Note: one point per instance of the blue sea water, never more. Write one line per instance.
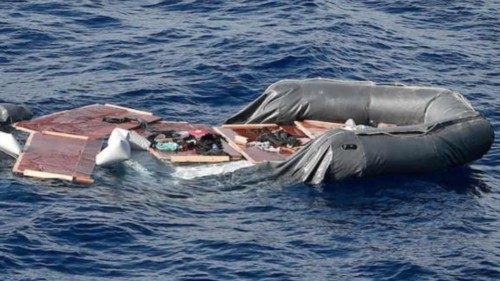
(201, 61)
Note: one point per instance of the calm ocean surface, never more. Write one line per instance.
(201, 61)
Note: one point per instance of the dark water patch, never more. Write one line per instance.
(198, 6)
(99, 22)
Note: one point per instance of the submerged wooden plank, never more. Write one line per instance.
(60, 157)
(314, 128)
(86, 121)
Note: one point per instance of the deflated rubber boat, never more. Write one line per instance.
(307, 130)
(431, 128)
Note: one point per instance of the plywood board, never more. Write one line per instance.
(189, 156)
(58, 157)
(86, 121)
(314, 128)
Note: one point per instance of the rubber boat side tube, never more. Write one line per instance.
(436, 128)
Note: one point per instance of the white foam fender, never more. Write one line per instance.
(118, 134)
(118, 149)
(9, 144)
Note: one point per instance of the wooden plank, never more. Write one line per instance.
(233, 154)
(15, 169)
(199, 158)
(83, 180)
(229, 134)
(86, 121)
(46, 175)
(59, 157)
(297, 132)
(189, 156)
(304, 129)
(293, 130)
(22, 129)
(240, 140)
(288, 150)
(129, 109)
(252, 154)
(65, 135)
(251, 133)
(315, 128)
(160, 155)
(324, 124)
(166, 156)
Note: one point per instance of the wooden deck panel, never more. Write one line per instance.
(252, 154)
(86, 121)
(314, 128)
(61, 157)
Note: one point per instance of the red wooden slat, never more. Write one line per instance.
(59, 155)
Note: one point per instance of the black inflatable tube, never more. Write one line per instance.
(436, 128)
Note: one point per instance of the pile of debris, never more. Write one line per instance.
(67, 145)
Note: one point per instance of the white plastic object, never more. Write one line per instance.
(118, 149)
(9, 144)
(118, 133)
(138, 142)
(350, 122)
(350, 125)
